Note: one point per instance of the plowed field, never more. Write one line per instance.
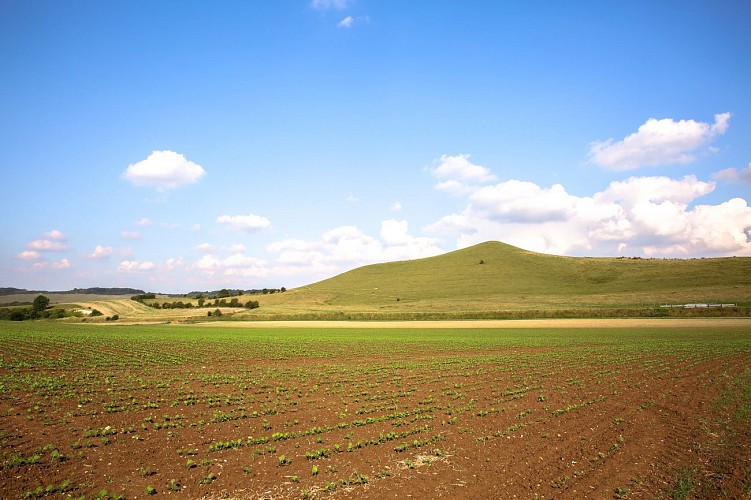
(612, 411)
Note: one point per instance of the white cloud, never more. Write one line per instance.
(648, 216)
(55, 235)
(233, 266)
(61, 264)
(46, 246)
(236, 248)
(637, 189)
(734, 174)
(144, 222)
(28, 255)
(135, 266)
(173, 264)
(130, 235)
(458, 175)
(658, 142)
(249, 223)
(347, 22)
(347, 247)
(329, 4)
(56, 265)
(396, 206)
(518, 201)
(205, 247)
(163, 170)
(351, 198)
(100, 252)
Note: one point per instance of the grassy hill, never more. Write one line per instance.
(489, 280)
(493, 276)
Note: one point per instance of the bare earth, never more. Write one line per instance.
(231, 420)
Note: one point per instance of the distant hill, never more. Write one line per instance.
(495, 276)
(91, 291)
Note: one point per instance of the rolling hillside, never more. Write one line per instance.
(489, 280)
(493, 276)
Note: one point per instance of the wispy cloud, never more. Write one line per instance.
(330, 4)
(56, 265)
(347, 22)
(46, 246)
(164, 171)
(28, 255)
(248, 223)
(658, 142)
(734, 174)
(130, 235)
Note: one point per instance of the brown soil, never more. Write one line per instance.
(574, 422)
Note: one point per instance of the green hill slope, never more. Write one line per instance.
(494, 276)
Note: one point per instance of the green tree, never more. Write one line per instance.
(41, 303)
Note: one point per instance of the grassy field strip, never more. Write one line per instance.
(512, 324)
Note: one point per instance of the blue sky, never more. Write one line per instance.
(176, 146)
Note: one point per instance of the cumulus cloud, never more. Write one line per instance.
(164, 171)
(396, 206)
(646, 216)
(347, 22)
(61, 264)
(56, 265)
(144, 222)
(458, 175)
(135, 266)
(28, 255)
(517, 201)
(55, 235)
(734, 174)
(100, 252)
(232, 266)
(173, 264)
(346, 247)
(658, 142)
(248, 223)
(46, 246)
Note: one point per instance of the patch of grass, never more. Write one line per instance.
(685, 484)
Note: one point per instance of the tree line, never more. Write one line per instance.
(202, 302)
(39, 309)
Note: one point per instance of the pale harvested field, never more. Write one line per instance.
(516, 323)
